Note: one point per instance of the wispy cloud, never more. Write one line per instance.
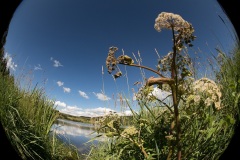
(65, 89)
(83, 94)
(89, 112)
(59, 83)
(101, 96)
(38, 67)
(10, 63)
(56, 63)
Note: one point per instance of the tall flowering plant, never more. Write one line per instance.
(174, 63)
(175, 76)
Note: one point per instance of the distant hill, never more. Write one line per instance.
(82, 119)
(126, 120)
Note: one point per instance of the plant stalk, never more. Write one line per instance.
(174, 96)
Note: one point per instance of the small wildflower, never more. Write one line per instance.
(197, 99)
(208, 102)
(130, 131)
(142, 124)
(190, 99)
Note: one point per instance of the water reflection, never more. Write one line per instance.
(76, 133)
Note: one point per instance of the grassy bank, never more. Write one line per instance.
(27, 117)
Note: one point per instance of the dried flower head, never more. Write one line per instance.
(175, 22)
(111, 61)
(170, 21)
(117, 75)
(124, 59)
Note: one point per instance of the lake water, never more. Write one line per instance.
(76, 133)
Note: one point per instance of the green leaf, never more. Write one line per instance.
(149, 130)
(230, 119)
(210, 132)
(186, 116)
(232, 85)
(157, 149)
(233, 94)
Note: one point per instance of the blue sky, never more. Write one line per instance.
(62, 45)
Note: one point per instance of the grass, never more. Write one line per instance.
(27, 117)
(205, 135)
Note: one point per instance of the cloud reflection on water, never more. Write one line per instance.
(76, 133)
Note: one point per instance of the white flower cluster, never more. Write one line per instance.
(169, 21)
(144, 93)
(108, 119)
(130, 131)
(206, 90)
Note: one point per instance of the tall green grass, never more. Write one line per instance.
(27, 116)
(229, 77)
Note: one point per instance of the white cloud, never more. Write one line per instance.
(89, 112)
(38, 67)
(160, 94)
(59, 83)
(101, 96)
(65, 89)
(10, 63)
(77, 111)
(128, 112)
(99, 110)
(83, 94)
(56, 63)
(125, 113)
(60, 104)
